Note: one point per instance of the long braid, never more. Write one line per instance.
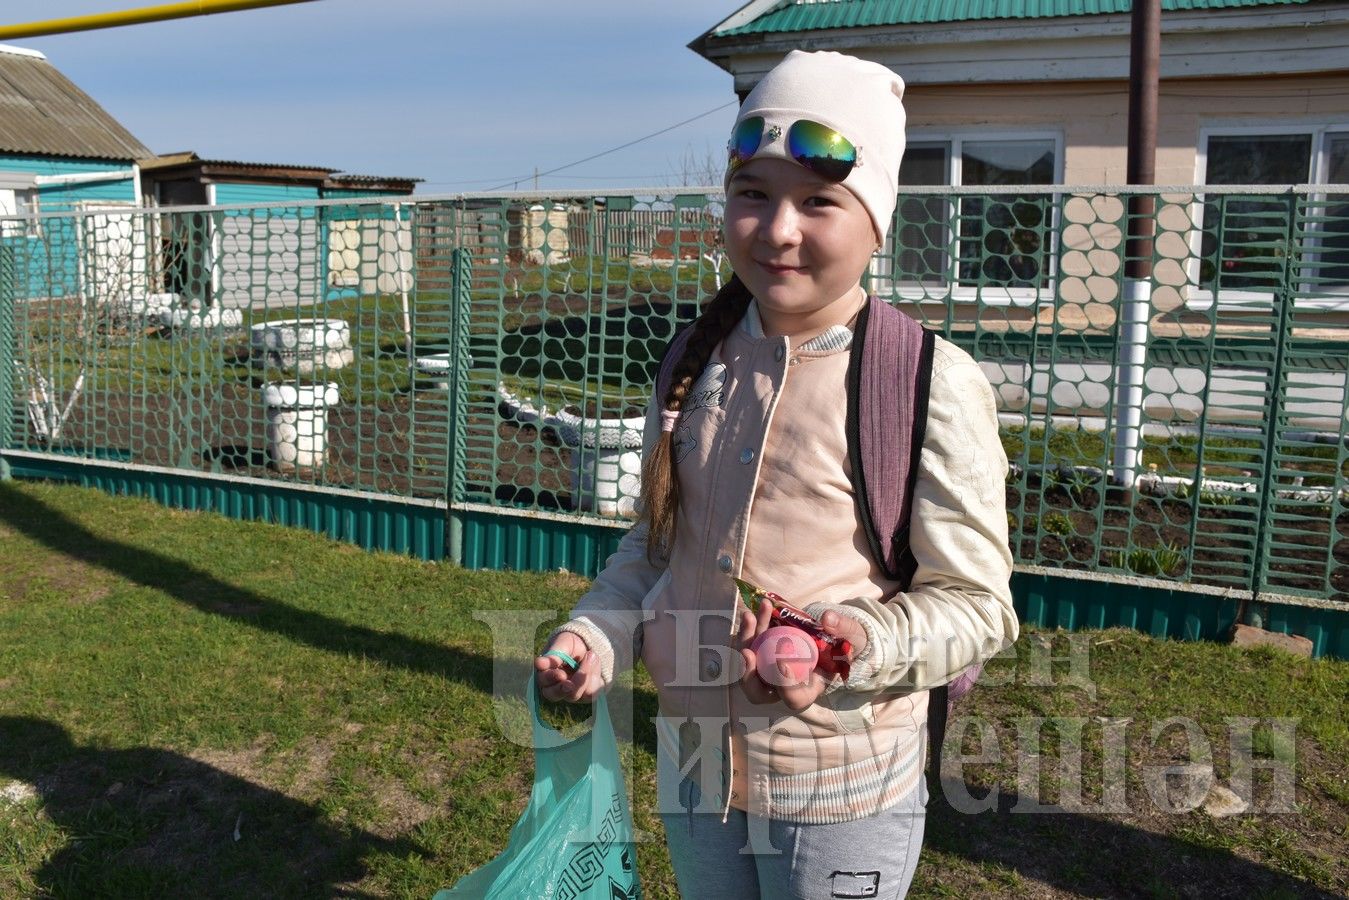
(660, 479)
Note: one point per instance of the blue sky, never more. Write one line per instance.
(466, 95)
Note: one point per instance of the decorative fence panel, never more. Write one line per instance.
(496, 353)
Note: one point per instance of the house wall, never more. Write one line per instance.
(48, 261)
(264, 193)
(1091, 121)
(369, 247)
(1092, 117)
(57, 197)
(268, 256)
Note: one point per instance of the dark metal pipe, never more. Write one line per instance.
(1145, 46)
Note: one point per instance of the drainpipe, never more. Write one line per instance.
(136, 16)
(86, 178)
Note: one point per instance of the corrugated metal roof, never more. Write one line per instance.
(42, 112)
(813, 15)
(189, 158)
(348, 178)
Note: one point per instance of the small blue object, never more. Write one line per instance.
(565, 657)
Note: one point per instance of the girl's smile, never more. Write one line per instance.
(799, 243)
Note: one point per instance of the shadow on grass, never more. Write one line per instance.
(148, 822)
(1094, 856)
(200, 589)
(632, 711)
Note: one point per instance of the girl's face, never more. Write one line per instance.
(799, 243)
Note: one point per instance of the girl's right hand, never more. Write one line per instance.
(559, 681)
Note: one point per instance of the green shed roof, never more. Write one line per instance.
(813, 15)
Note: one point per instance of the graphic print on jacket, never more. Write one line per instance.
(705, 394)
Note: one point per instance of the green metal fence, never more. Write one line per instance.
(492, 355)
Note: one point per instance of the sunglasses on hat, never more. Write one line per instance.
(818, 147)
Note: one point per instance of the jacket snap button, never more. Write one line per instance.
(712, 668)
(779, 353)
(724, 563)
(747, 456)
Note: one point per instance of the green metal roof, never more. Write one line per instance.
(813, 15)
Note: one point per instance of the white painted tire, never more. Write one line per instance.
(289, 395)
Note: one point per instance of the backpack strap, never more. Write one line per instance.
(889, 374)
(889, 377)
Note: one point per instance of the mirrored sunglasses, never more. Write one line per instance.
(818, 147)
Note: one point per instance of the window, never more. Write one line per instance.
(1254, 245)
(1002, 240)
(19, 202)
(1331, 267)
(918, 241)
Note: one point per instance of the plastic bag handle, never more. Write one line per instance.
(545, 735)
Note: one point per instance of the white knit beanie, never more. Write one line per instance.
(861, 100)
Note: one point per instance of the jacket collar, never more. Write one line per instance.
(836, 337)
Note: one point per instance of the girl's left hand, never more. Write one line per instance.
(795, 695)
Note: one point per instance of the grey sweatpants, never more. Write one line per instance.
(750, 857)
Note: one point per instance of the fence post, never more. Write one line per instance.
(456, 467)
(1284, 298)
(8, 357)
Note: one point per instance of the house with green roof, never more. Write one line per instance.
(1026, 92)
(1234, 74)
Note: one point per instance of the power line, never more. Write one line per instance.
(506, 184)
(631, 177)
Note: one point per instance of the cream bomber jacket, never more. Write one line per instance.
(766, 494)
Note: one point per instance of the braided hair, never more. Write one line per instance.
(660, 479)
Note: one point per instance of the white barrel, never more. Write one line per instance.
(607, 473)
(297, 423)
(610, 480)
(305, 345)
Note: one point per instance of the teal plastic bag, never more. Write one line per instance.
(574, 840)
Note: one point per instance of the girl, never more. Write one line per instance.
(786, 787)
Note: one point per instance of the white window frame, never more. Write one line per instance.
(1201, 299)
(990, 296)
(19, 201)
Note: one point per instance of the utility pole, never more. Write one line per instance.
(1145, 44)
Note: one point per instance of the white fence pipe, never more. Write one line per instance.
(1133, 352)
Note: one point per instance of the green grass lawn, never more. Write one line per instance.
(192, 706)
(137, 359)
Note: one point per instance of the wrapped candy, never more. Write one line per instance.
(834, 652)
